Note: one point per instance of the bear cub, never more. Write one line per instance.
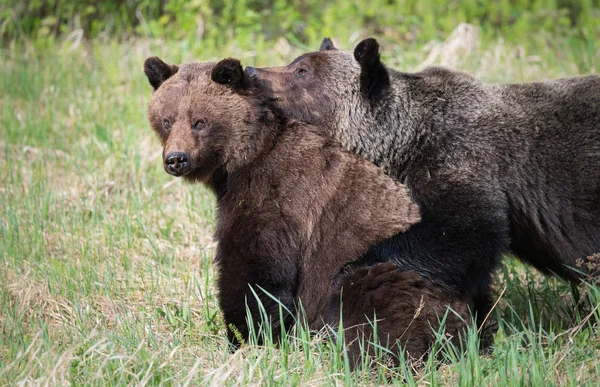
(292, 209)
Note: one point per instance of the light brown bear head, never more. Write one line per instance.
(204, 119)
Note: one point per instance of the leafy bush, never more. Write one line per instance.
(299, 21)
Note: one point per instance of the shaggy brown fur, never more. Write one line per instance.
(495, 169)
(293, 207)
(403, 306)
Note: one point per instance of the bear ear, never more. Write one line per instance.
(158, 71)
(374, 77)
(327, 45)
(228, 72)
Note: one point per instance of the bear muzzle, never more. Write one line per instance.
(177, 163)
(251, 72)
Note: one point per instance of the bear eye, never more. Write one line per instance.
(166, 123)
(198, 125)
(302, 71)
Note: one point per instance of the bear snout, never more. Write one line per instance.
(177, 163)
(251, 72)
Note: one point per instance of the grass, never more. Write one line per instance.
(106, 271)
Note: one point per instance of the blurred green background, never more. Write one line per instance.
(568, 28)
(408, 21)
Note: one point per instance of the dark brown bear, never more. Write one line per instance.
(292, 209)
(495, 169)
(404, 306)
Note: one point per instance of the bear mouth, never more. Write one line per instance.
(177, 173)
(184, 173)
(251, 72)
(260, 86)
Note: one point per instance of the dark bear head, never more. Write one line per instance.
(206, 117)
(328, 87)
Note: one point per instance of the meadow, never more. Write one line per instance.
(106, 262)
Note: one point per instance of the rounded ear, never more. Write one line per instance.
(366, 53)
(158, 71)
(228, 72)
(327, 45)
(374, 77)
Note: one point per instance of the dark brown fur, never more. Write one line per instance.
(405, 308)
(293, 207)
(495, 169)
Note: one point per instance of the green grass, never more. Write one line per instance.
(106, 273)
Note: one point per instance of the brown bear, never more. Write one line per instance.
(292, 209)
(495, 169)
(405, 308)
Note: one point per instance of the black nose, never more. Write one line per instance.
(176, 163)
(251, 71)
